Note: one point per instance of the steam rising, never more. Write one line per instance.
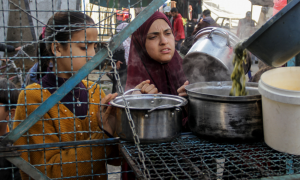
(199, 67)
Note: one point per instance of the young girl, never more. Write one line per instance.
(77, 116)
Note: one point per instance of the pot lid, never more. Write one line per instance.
(149, 101)
(219, 91)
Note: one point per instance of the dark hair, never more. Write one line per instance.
(42, 54)
(206, 12)
(174, 10)
(63, 21)
(14, 94)
(248, 14)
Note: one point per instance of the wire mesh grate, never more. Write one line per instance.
(188, 157)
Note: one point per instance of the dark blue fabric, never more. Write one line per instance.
(209, 20)
(177, 47)
(8, 47)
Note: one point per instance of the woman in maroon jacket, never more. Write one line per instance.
(153, 57)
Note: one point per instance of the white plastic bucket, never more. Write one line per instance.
(280, 90)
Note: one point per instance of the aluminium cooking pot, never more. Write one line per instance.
(214, 114)
(156, 117)
(210, 57)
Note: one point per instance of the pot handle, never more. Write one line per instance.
(224, 32)
(162, 106)
(131, 90)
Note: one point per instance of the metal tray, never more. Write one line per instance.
(189, 157)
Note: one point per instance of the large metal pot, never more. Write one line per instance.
(157, 117)
(210, 58)
(215, 114)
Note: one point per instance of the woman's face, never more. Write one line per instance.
(160, 42)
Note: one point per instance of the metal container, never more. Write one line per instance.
(215, 114)
(210, 58)
(157, 117)
(278, 40)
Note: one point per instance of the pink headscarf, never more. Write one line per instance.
(166, 77)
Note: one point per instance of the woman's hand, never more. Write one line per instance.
(146, 88)
(118, 64)
(18, 48)
(181, 91)
(108, 121)
(5, 60)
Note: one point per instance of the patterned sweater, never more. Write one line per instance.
(58, 130)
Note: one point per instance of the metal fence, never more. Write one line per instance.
(47, 139)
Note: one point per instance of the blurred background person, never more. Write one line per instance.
(178, 28)
(121, 55)
(167, 12)
(192, 15)
(192, 21)
(246, 27)
(206, 21)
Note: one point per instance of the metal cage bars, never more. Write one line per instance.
(36, 115)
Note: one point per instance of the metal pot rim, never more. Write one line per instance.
(182, 100)
(207, 30)
(228, 98)
(206, 54)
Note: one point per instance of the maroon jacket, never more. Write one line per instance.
(178, 28)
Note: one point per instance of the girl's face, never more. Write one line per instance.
(160, 42)
(83, 48)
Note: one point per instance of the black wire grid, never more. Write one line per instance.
(188, 157)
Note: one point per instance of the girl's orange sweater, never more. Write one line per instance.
(58, 125)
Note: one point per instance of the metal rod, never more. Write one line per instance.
(286, 177)
(138, 173)
(62, 144)
(27, 168)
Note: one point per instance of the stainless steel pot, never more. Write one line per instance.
(210, 58)
(157, 117)
(215, 114)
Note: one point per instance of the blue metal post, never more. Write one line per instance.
(27, 168)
